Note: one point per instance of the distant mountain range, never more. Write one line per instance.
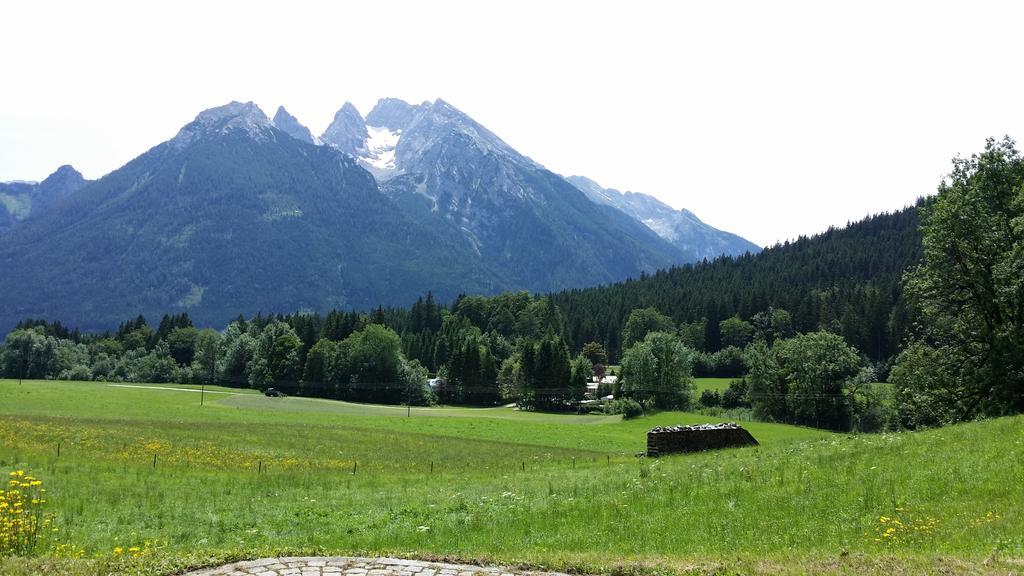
(695, 239)
(241, 213)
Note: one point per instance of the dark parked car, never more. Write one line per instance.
(274, 393)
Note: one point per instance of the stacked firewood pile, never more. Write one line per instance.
(668, 439)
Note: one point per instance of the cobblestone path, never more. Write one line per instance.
(344, 566)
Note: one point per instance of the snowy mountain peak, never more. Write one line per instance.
(231, 117)
(347, 131)
(440, 124)
(395, 136)
(393, 113)
(291, 126)
(442, 109)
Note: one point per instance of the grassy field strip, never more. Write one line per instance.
(717, 384)
(298, 404)
(823, 496)
(89, 400)
(231, 447)
(243, 479)
(168, 388)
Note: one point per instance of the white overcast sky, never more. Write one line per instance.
(769, 119)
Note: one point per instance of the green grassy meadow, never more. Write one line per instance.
(717, 384)
(246, 476)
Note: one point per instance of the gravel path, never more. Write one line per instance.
(345, 566)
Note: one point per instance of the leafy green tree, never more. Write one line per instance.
(510, 378)
(735, 332)
(595, 352)
(804, 380)
(735, 396)
(674, 384)
(317, 361)
(726, 363)
(70, 360)
(207, 354)
(157, 365)
(643, 321)
(772, 324)
(659, 370)
(182, 344)
(275, 359)
(127, 367)
(870, 402)
(27, 354)
(581, 372)
(108, 346)
(969, 289)
(693, 334)
(239, 347)
(639, 372)
(927, 389)
(767, 388)
(476, 309)
(817, 368)
(413, 379)
(138, 338)
(375, 358)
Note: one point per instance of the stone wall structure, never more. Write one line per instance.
(671, 439)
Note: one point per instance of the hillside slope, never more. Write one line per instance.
(846, 279)
(682, 228)
(230, 216)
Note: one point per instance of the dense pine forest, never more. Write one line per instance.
(846, 280)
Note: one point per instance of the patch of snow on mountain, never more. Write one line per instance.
(662, 227)
(380, 147)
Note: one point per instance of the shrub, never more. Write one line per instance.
(710, 398)
(79, 372)
(631, 409)
(628, 407)
(735, 396)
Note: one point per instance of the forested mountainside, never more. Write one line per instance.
(847, 280)
(239, 213)
(232, 215)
